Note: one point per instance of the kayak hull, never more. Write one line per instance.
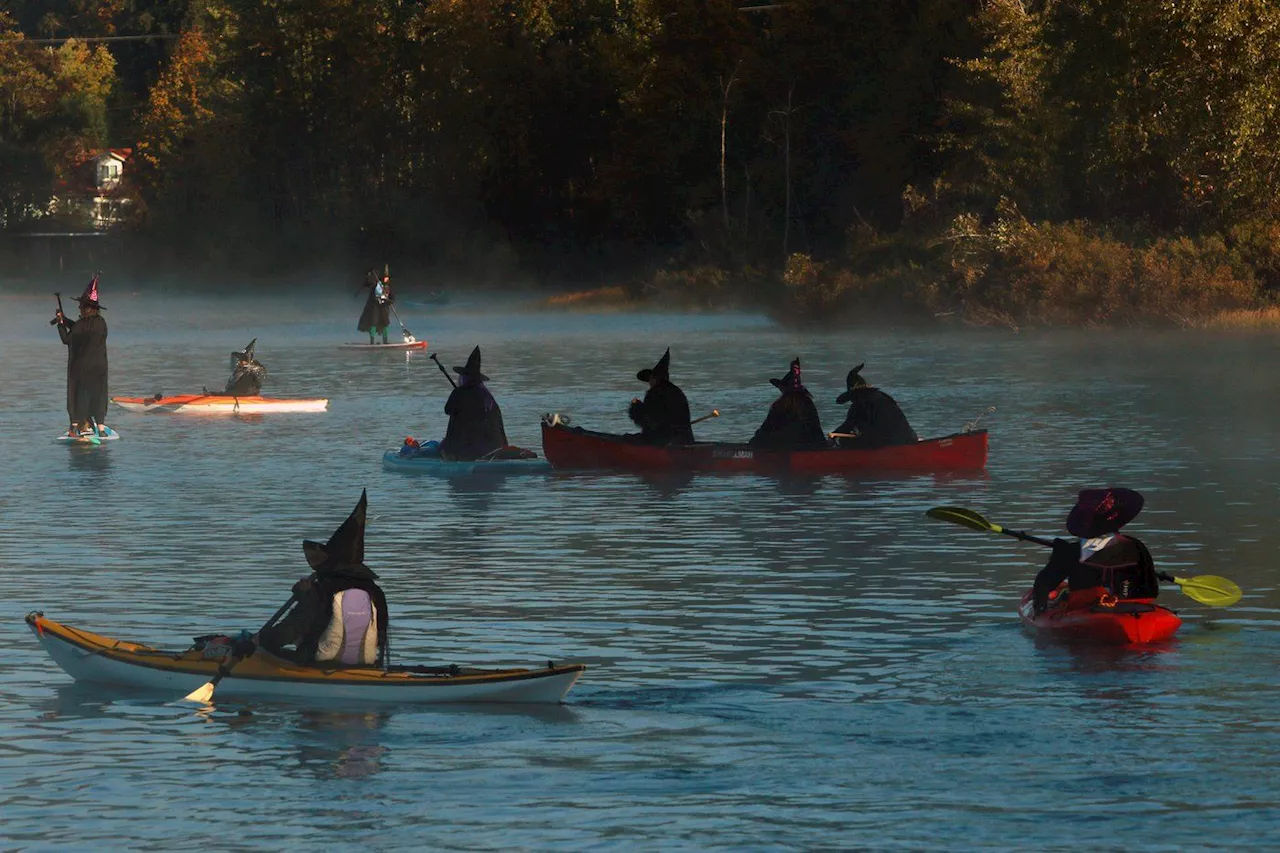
(571, 447)
(95, 659)
(218, 404)
(1083, 617)
(434, 465)
(402, 345)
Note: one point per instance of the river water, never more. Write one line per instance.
(772, 664)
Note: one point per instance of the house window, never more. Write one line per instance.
(108, 173)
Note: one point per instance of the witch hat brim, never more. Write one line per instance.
(852, 382)
(1101, 511)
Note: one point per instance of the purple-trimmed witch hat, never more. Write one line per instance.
(1101, 511)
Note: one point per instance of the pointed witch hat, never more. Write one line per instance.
(245, 354)
(343, 554)
(89, 299)
(852, 381)
(472, 368)
(1101, 511)
(661, 369)
(790, 382)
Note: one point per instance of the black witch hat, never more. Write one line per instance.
(661, 369)
(790, 382)
(343, 554)
(852, 381)
(472, 368)
(244, 355)
(89, 299)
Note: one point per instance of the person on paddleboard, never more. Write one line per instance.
(475, 422)
(376, 315)
(792, 422)
(247, 374)
(874, 417)
(340, 614)
(1100, 562)
(86, 342)
(663, 415)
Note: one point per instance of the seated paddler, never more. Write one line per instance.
(663, 414)
(874, 418)
(792, 422)
(1099, 561)
(339, 616)
(475, 422)
(247, 373)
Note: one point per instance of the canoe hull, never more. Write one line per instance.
(1127, 623)
(435, 466)
(216, 404)
(567, 447)
(95, 659)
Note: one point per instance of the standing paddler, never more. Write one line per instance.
(663, 415)
(377, 307)
(86, 341)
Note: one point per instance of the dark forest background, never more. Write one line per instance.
(1095, 161)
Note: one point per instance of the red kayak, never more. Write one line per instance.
(1095, 616)
(571, 447)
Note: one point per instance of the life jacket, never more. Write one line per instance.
(1122, 568)
(352, 635)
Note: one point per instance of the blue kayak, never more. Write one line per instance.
(432, 463)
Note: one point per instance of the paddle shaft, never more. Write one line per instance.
(436, 359)
(230, 664)
(57, 319)
(715, 413)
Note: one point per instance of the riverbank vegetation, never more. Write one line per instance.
(1008, 161)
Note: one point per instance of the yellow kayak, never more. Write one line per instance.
(97, 659)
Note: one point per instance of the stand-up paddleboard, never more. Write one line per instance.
(401, 345)
(105, 433)
(218, 404)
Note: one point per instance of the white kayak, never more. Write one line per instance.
(104, 433)
(97, 659)
(218, 404)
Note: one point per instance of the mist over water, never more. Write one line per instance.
(772, 663)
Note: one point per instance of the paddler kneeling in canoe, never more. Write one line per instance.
(340, 614)
(663, 415)
(792, 422)
(247, 374)
(475, 422)
(1100, 562)
(874, 418)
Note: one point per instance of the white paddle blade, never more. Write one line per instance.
(202, 694)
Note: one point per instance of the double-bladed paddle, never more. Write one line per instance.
(1212, 590)
(204, 693)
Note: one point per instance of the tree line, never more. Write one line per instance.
(1015, 160)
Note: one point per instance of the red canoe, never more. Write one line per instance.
(1089, 615)
(572, 447)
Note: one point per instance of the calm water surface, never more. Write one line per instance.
(773, 664)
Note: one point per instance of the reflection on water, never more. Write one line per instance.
(773, 662)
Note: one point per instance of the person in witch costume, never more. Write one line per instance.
(1100, 560)
(874, 417)
(475, 421)
(663, 415)
(340, 614)
(86, 342)
(377, 307)
(247, 374)
(792, 422)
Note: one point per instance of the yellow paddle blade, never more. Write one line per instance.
(1210, 589)
(201, 694)
(964, 517)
